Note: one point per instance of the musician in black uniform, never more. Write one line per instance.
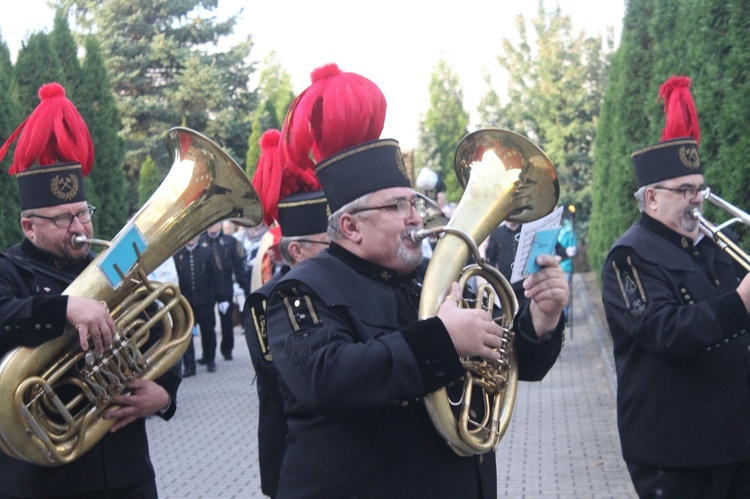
(678, 314)
(229, 255)
(34, 273)
(353, 359)
(202, 284)
(303, 218)
(501, 253)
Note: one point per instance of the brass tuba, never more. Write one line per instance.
(204, 186)
(505, 176)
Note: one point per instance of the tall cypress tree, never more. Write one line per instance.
(37, 64)
(624, 126)
(107, 180)
(66, 49)
(10, 231)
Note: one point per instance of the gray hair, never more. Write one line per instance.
(334, 221)
(640, 196)
(284, 243)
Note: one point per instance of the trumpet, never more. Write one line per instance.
(714, 231)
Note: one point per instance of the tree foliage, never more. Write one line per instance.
(444, 125)
(150, 179)
(166, 69)
(555, 87)
(37, 63)
(98, 108)
(275, 94)
(705, 40)
(10, 232)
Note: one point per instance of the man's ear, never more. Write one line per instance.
(349, 226)
(295, 251)
(651, 199)
(27, 226)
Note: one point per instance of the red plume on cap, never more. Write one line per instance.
(337, 111)
(679, 108)
(53, 133)
(276, 178)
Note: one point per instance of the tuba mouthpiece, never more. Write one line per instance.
(79, 240)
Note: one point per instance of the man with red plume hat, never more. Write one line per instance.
(53, 154)
(677, 309)
(296, 203)
(352, 358)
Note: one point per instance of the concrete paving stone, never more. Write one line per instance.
(561, 443)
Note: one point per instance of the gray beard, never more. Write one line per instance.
(408, 257)
(687, 222)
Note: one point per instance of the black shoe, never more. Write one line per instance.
(202, 361)
(227, 356)
(186, 373)
(211, 366)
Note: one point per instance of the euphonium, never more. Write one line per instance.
(204, 185)
(505, 176)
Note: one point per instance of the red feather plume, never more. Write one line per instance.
(679, 108)
(267, 178)
(276, 178)
(337, 111)
(55, 132)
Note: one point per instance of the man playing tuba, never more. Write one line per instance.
(34, 273)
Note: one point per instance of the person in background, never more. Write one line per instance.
(229, 260)
(352, 358)
(302, 215)
(677, 310)
(566, 249)
(250, 238)
(202, 285)
(53, 155)
(502, 245)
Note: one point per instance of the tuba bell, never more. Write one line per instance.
(505, 176)
(204, 186)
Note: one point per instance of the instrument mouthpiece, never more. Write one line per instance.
(79, 240)
(417, 235)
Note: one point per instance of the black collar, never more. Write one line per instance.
(683, 242)
(37, 257)
(368, 269)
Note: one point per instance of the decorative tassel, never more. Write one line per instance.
(54, 133)
(679, 108)
(337, 111)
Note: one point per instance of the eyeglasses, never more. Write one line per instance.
(689, 192)
(402, 207)
(64, 221)
(313, 242)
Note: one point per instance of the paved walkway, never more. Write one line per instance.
(562, 441)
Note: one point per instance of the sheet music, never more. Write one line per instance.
(526, 241)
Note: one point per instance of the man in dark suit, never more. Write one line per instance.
(202, 285)
(502, 246)
(33, 310)
(229, 256)
(303, 218)
(353, 359)
(678, 313)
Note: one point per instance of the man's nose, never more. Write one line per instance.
(76, 226)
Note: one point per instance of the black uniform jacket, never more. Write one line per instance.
(201, 282)
(272, 428)
(680, 348)
(32, 312)
(354, 365)
(230, 260)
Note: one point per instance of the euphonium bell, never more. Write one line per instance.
(505, 176)
(204, 186)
